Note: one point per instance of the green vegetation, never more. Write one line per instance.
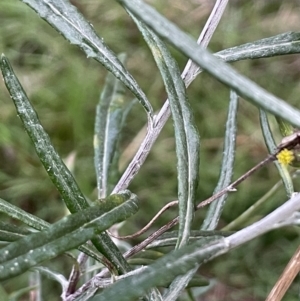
(66, 85)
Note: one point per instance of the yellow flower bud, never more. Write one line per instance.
(285, 157)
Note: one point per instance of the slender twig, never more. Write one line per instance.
(191, 69)
(151, 238)
(143, 230)
(233, 185)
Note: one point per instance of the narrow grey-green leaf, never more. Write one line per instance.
(109, 114)
(65, 18)
(55, 167)
(39, 224)
(6, 236)
(9, 232)
(218, 69)
(271, 145)
(282, 44)
(169, 238)
(69, 233)
(66, 225)
(186, 135)
(21, 215)
(266, 131)
(215, 209)
(162, 272)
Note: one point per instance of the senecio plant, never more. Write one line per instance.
(88, 226)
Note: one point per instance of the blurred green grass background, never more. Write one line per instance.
(64, 87)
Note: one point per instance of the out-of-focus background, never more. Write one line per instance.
(64, 87)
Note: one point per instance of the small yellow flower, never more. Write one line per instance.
(285, 157)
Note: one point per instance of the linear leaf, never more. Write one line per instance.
(109, 115)
(186, 135)
(67, 224)
(6, 236)
(39, 224)
(69, 233)
(21, 215)
(282, 44)
(55, 167)
(271, 145)
(65, 18)
(218, 69)
(169, 238)
(266, 131)
(215, 209)
(10, 232)
(53, 164)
